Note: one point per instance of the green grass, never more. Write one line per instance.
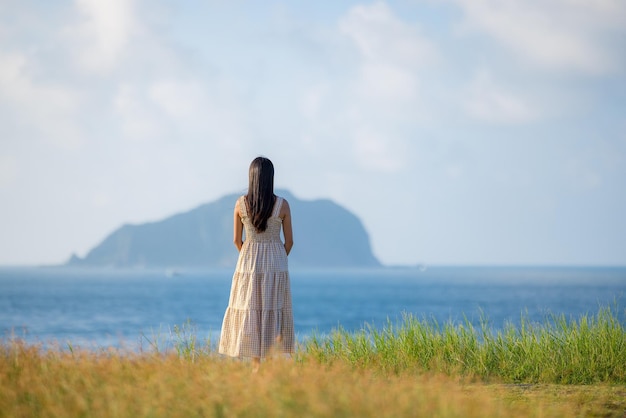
(590, 349)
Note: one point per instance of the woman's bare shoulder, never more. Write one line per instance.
(238, 203)
(284, 208)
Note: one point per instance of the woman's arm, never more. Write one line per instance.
(285, 214)
(237, 228)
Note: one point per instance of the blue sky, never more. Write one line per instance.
(482, 132)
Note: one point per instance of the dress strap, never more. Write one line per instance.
(277, 205)
(243, 207)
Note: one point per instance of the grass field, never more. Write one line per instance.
(590, 349)
(561, 368)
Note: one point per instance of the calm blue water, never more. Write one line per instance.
(99, 308)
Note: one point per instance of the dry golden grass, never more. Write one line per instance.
(55, 383)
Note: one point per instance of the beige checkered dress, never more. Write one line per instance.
(259, 316)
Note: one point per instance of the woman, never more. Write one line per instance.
(259, 316)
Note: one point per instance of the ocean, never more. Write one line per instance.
(96, 308)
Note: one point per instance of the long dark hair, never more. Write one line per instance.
(260, 197)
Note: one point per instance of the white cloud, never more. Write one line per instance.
(391, 50)
(385, 95)
(42, 109)
(554, 34)
(488, 102)
(381, 36)
(103, 32)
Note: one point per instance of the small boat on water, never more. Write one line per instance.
(172, 273)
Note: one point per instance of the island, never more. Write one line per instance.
(326, 235)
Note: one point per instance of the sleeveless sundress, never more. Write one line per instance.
(259, 316)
